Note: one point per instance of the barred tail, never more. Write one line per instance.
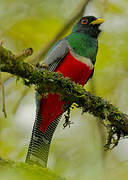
(40, 142)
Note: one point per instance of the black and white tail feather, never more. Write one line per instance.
(40, 143)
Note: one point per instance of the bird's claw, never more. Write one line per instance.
(67, 123)
(43, 65)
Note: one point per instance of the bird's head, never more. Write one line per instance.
(89, 25)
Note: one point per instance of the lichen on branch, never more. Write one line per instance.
(115, 121)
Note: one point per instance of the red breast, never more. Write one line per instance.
(51, 107)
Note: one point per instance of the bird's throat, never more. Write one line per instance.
(82, 59)
(83, 45)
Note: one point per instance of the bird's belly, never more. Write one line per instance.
(74, 69)
(52, 106)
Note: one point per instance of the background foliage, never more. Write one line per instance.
(76, 153)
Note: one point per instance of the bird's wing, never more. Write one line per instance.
(56, 54)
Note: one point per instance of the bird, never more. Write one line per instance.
(74, 57)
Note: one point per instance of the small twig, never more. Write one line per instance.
(3, 96)
(25, 53)
(2, 90)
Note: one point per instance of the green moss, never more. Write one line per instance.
(17, 170)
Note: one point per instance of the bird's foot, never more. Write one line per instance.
(44, 65)
(67, 123)
(41, 66)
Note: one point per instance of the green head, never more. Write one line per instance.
(89, 25)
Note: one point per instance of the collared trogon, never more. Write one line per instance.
(74, 57)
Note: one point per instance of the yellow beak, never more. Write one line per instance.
(97, 21)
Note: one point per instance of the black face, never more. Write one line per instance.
(89, 25)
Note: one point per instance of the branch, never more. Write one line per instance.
(115, 121)
(2, 91)
(78, 12)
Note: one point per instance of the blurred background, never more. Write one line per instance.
(75, 153)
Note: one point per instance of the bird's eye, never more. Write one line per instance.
(84, 21)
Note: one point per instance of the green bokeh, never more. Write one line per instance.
(76, 153)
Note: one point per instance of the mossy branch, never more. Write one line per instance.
(115, 121)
